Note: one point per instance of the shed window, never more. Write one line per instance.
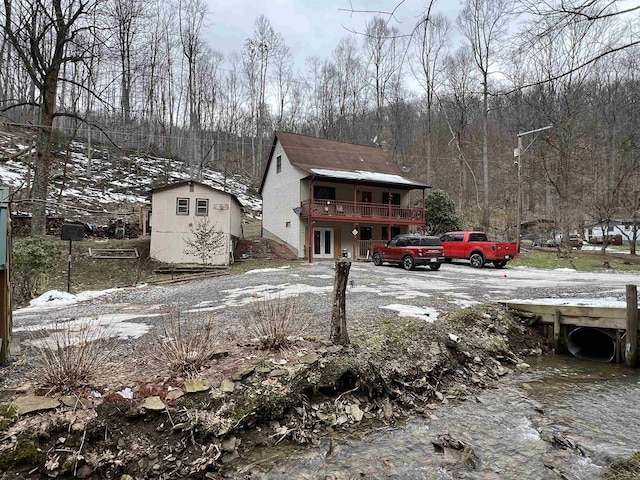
(278, 163)
(182, 206)
(202, 207)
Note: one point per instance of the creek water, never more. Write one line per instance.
(592, 408)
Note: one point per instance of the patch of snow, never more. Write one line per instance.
(580, 302)
(426, 313)
(55, 298)
(126, 393)
(362, 175)
(242, 296)
(267, 270)
(103, 326)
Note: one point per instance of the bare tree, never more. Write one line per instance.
(551, 17)
(430, 40)
(459, 105)
(383, 54)
(350, 87)
(41, 32)
(205, 241)
(259, 51)
(126, 16)
(483, 23)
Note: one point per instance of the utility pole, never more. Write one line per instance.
(518, 154)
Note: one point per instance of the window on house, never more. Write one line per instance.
(191, 188)
(278, 163)
(324, 193)
(202, 207)
(395, 198)
(366, 233)
(182, 206)
(394, 231)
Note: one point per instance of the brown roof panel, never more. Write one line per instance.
(342, 161)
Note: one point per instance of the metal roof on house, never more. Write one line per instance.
(329, 159)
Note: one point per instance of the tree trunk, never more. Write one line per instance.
(339, 335)
(485, 152)
(43, 155)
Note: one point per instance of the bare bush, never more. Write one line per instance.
(75, 354)
(185, 343)
(274, 323)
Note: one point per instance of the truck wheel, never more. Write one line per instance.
(377, 259)
(408, 263)
(435, 266)
(477, 260)
(499, 264)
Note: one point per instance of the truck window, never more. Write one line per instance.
(477, 237)
(457, 237)
(402, 242)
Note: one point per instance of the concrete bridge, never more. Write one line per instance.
(604, 333)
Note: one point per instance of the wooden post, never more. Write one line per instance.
(556, 331)
(5, 317)
(631, 350)
(339, 335)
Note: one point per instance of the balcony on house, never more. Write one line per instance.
(348, 211)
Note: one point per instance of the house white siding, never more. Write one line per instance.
(173, 219)
(595, 233)
(280, 196)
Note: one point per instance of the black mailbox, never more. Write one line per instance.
(72, 232)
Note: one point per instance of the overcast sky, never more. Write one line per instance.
(309, 27)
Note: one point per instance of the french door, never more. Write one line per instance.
(323, 242)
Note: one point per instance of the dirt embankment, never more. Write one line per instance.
(199, 427)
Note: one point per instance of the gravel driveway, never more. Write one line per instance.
(372, 292)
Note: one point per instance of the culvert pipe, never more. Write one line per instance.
(592, 344)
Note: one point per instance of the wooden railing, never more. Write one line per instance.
(365, 247)
(339, 210)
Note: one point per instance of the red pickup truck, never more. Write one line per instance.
(475, 247)
(410, 250)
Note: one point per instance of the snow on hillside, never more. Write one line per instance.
(113, 180)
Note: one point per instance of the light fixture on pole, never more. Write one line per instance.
(518, 154)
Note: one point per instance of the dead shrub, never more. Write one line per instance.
(185, 344)
(73, 355)
(274, 323)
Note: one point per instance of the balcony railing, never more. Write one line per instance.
(345, 211)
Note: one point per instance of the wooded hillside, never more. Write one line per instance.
(448, 100)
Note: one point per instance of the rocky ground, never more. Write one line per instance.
(197, 424)
(151, 413)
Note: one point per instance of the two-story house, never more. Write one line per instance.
(325, 199)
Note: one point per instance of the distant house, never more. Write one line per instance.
(179, 209)
(325, 199)
(618, 231)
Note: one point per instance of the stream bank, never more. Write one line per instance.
(246, 399)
